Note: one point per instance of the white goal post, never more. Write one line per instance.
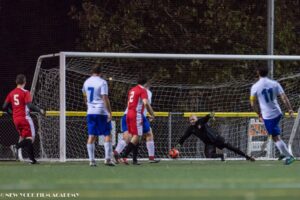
(79, 62)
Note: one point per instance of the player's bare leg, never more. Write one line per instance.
(91, 150)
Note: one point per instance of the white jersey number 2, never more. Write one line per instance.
(131, 96)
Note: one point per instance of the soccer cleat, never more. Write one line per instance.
(93, 163)
(124, 161)
(135, 162)
(250, 158)
(223, 157)
(33, 162)
(108, 162)
(14, 151)
(281, 157)
(116, 157)
(289, 160)
(154, 160)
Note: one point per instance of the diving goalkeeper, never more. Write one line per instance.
(209, 137)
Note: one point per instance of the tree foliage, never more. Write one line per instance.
(190, 26)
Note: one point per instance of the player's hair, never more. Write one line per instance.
(262, 71)
(97, 69)
(142, 80)
(20, 79)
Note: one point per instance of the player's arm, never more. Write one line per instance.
(104, 96)
(149, 108)
(205, 119)
(287, 104)
(254, 105)
(184, 137)
(84, 95)
(35, 108)
(107, 105)
(253, 101)
(279, 90)
(84, 98)
(31, 106)
(6, 108)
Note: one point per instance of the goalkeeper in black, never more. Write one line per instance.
(209, 137)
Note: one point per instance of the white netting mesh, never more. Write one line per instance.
(178, 86)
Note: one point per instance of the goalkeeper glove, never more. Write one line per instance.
(178, 146)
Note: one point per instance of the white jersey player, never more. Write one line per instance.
(266, 91)
(95, 91)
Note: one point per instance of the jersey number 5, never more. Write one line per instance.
(16, 100)
(268, 94)
(131, 96)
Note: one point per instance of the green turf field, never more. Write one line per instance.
(165, 180)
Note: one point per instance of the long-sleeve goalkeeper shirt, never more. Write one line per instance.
(203, 131)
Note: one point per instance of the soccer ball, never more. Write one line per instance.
(174, 153)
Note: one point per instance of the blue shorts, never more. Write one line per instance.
(98, 125)
(272, 125)
(146, 124)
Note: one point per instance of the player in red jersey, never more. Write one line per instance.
(136, 103)
(20, 100)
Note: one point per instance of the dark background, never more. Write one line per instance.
(28, 29)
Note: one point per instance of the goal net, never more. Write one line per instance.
(181, 84)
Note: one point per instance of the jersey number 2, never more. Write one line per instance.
(131, 96)
(268, 94)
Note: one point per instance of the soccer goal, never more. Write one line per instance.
(181, 84)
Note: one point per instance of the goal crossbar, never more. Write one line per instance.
(180, 56)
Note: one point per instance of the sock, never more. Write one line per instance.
(30, 151)
(279, 149)
(108, 150)
(91, 151)
(151, 149)
(120, 146)
(216, 155)
(283, 148)
(236, 150)
(129, 148)
(27, 144)
(23, 143)
(135, 153)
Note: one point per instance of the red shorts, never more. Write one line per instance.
(25, 127)
(134, 123)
